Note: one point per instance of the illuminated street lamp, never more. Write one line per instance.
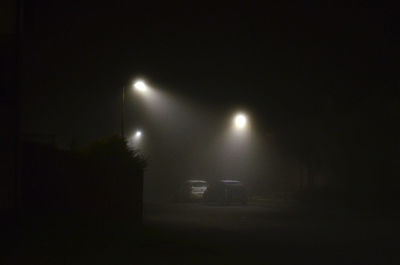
(240, 121)
(140, 86)
(135, 139)
(138, 134)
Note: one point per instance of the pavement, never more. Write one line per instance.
(262, 232)
(283, 232)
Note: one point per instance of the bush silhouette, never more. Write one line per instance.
(103, 178)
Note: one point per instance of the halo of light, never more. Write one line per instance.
(140, 85)
(240, 121)
(138, 134)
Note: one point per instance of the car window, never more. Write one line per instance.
(199, 184)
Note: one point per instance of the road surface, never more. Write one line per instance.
(276, 232)
(259, 233)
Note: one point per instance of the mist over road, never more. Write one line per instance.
(278, 232)
(259, 233)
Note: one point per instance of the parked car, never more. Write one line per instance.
(191, 190)
(226, 192)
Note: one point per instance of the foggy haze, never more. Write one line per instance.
(187, 139)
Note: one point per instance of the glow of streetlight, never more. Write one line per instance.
(140, 85)
(240, 121)
(138, 134)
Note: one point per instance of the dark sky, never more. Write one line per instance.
(281, 63)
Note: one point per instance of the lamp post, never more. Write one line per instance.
(122, 112)
(140, 86)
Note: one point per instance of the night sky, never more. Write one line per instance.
(280, 63)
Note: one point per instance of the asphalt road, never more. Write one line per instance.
(260, 233)
(275, 233)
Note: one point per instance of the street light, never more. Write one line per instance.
(240, 121)
(140, 86)
(138, 134)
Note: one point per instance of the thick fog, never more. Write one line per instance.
(186, 139)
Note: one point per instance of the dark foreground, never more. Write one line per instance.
(260, 233)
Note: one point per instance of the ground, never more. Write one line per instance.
(259, 233)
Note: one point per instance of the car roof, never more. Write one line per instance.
(194, 180)
(228, 181)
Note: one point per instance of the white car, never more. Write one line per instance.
(192, 190)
